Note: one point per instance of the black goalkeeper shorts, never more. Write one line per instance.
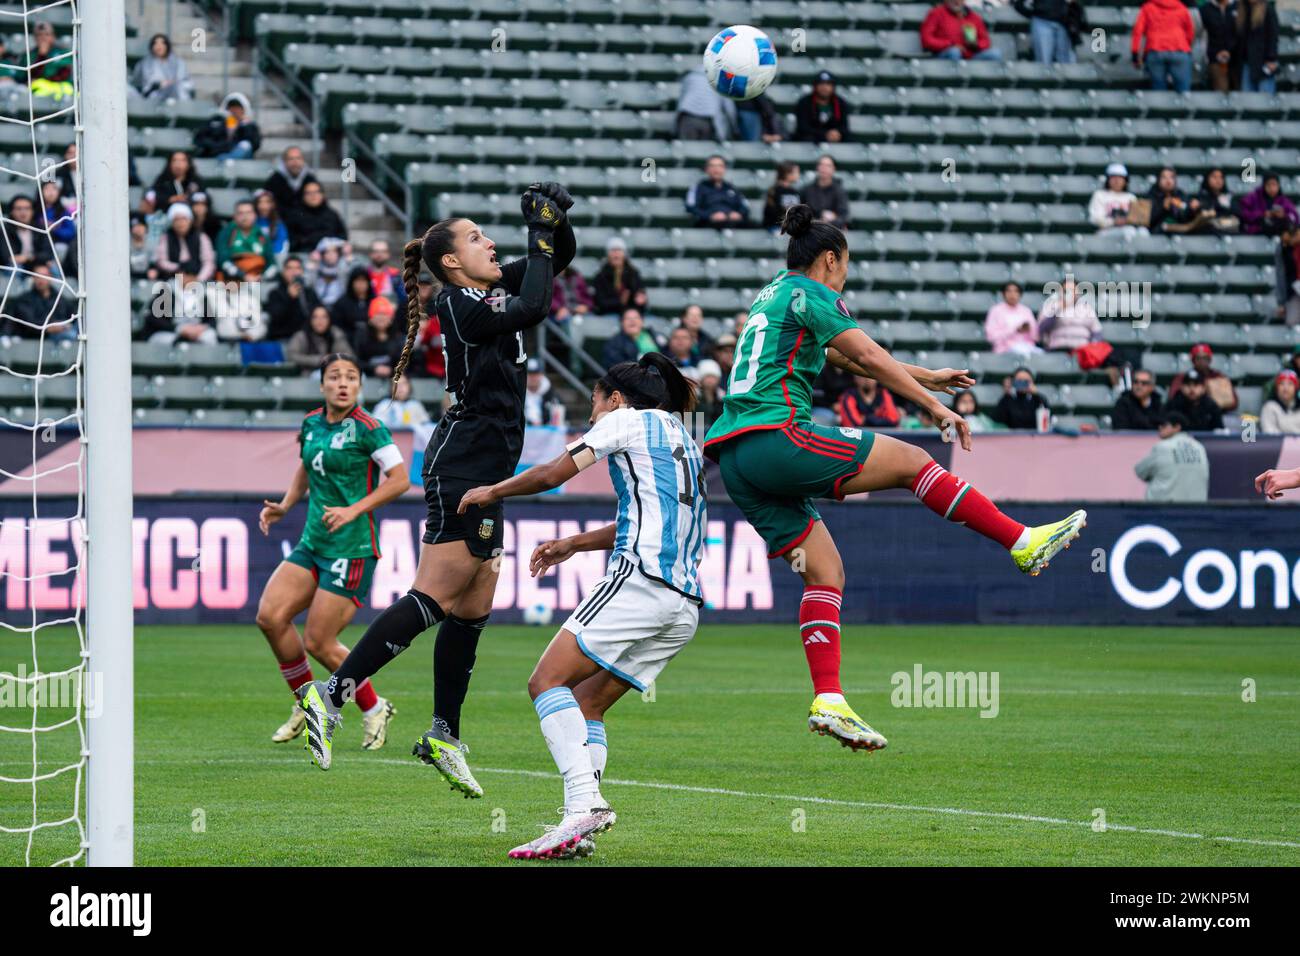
(482, 529)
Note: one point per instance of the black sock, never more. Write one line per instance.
(386, 637)
(453, 662)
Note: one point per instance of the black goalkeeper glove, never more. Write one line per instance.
(541, 214)
(554, 191)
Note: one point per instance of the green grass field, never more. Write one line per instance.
(1147, 724)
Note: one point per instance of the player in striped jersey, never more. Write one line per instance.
(645, 609)
(775, 460)
(343, 452)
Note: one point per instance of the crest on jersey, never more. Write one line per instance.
(854, 433)
(485, 528)
(345, 434)
(842, 308)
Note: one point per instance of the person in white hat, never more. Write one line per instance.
(1109, 207)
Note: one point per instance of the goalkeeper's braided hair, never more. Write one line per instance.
(431, 247)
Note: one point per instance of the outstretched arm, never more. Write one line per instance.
(945, 380)
(535, 480)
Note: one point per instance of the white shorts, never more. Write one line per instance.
(633, 626)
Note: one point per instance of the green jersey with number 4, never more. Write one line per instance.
(781, 351)
(342, 468)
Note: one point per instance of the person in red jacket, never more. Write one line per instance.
(1166, 27)
(867, 405)
(954, 32)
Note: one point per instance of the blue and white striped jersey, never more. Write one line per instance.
(657, 471)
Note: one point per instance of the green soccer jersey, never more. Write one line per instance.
(781, 352)
(341, 470)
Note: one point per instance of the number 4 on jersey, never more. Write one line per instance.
(318, 463)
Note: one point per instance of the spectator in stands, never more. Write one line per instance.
(692, 321)
(1010, 325)
(1214, 204)
(43, 305)
(268, 219)
(617, 285)
(540, 401)
(1140, 407)
(430, 335)
(1286, 276)
(1020, 402)
(1171, 210)
(287, 180)
(291, 303)
(759, 120)
(1162, 43)
(680, 347)
(724, 353)
(385, 278)
(967, 406)
(231, 133)
(176, 183)
(67, 171)
(826, 195)
(1257, 31)
(710, 392)
(1219, 18)
(60, 216)
(867, 404)
(313, 221)
(351, 310)
(953, 31)
(1067, 322)
(139, 251)
(781, 195)
(1191, 400)
(11, 70)
(243, 251)
(822, 116)
(1281, 413)
(205, 221)
(378, 344)
(160, 74)
(49, 69)
(1217, 385)
(1055, 27)
(401, 410)
(183, 250)
(715, 202)
(1177, 468)
(328, 270)
(315, 340)
(570, 295)
(1265, 210)
(1109, 206)
(701, 112)
(27, 244)
(632, 341)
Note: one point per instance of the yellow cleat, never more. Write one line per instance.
(833, 719)
(1047, 541)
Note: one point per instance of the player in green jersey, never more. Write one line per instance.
(774, 460)
(344, 451)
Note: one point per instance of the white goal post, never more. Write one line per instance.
(106, 325)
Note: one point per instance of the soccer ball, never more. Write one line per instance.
(538, 614)
(740, 62)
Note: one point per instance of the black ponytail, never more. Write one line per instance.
(809, 237)
(653, 381)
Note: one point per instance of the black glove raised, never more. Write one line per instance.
(554, 191)
(541, 214)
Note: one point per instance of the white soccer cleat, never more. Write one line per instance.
(374, 727)
(321, 724)
(291, 728)
(565, 840)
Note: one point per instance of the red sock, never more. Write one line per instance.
(296, 673)
(819, 626)
(366, 696)
(948, 496)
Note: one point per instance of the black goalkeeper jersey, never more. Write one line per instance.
(482, 434)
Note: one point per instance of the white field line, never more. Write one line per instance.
(825, 801)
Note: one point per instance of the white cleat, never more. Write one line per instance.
(374, 727)
(321, 724)
(565, 841)
(291, 728)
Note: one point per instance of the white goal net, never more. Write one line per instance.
(52, 689)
